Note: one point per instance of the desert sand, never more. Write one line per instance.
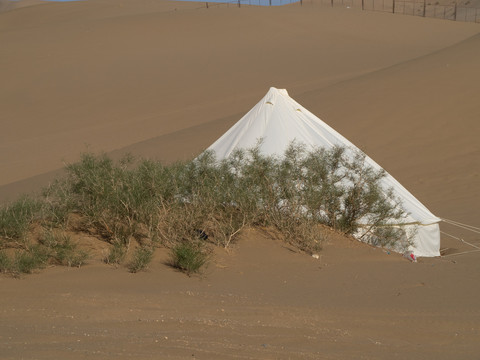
(164, 79)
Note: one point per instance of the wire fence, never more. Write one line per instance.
(421, 8)
(424, 9)
(240, 3)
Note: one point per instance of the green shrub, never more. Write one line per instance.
(62, 251)
(24, 262)
(15, 218)
(51, 248)
(58, 203)
(204, 200)
(219, 198)
(5, 262)
(116, 254)
(141, 258)
(189, 257)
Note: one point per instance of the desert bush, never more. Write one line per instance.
(343, 191)
(61, 250)
(301, 232)
(25, 261)
(5, 262)
(208, 200)
(396, 238)
(59, 202)
(189, 257)
(115, 198)
(104, 194)
(141, 258)
(16, 217)
(116, 255)
(213, 198)
(219, 198)
(179, 223)
(51, 248)
(21, 262)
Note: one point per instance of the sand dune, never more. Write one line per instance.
(423, 115)
(95, 74)
(164, 79)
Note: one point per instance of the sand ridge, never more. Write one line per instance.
(73, 78)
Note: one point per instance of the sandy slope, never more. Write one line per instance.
(259, 301)
(423, 115)
(141, 76)
(7, 5)
(86, 73)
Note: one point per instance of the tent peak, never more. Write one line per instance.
(279, 120)
(274, 91)
(273, 94)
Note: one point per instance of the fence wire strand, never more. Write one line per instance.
(405, 7)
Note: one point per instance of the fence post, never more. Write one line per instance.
(206, 4)
(238, 3)
(332, 2)
(363, 5)
(455, 12)
(424, 7)
(393, 8)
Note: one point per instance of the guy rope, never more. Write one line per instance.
(471, 228)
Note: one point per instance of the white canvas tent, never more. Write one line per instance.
(279, 120)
